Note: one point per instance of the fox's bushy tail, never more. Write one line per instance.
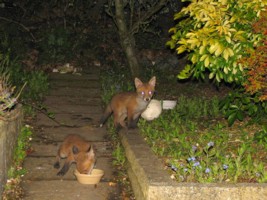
(105, 116)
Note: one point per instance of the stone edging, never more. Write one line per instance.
(9, 130)
(151, 182)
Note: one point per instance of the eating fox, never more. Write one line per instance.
(76, 150)
(129, 105)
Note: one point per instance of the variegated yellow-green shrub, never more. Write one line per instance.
(215, 35)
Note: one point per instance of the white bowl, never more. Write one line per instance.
(168, 104)
(93, 178)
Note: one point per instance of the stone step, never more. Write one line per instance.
(70, 120)
(57, 134)
(63, 100)
(53, 190)
(42, 168)
(74, 109)
(84, 77)
(102, 149)
(77, 92)
(74, 83)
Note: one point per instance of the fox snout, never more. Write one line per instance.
(147, 99)
(147, 96)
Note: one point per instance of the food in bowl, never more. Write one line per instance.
(93, 178)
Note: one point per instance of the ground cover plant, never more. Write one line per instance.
(199, 146)
(16, 172)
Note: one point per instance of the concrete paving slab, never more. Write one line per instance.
(84, 77)
(71, 120)
(42, 168)
(75, 83)
(58, 100)
(102, 149)
(74, 109)
(58, 133)
(77, 92)
(67, 190)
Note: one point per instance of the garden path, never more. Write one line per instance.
(75, 101)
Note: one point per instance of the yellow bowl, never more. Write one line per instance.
(93, 178)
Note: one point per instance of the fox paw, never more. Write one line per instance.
(57, 165)
(60, 173)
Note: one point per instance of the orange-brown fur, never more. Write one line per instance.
(76, 150)
(130, 105)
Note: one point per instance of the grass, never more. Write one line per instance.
(197, 145)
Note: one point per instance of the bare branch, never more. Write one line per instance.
(20, 24)
(147, 15)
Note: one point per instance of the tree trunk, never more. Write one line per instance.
(127, 39)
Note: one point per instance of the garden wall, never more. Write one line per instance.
(10, 127)
(151, 182)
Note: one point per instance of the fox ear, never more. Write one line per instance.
(152, 81)
(75, 150)
(90, 152)
(137, 82)
(90, 148)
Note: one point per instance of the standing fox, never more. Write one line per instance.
(75, 149)
(130, 105)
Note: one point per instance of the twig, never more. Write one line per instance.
(147, 15)
(20, 24)
(47, 115)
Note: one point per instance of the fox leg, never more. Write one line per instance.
(58, 158)
(132, 119)
(133, 123)
(119, 121)
(66, 166)
(57, 163)
(64, 169)
(105, 116)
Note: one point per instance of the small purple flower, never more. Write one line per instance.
(191, 159)
(174, 168)
(210, 144)
(225, 167)
(194, 148)
(207, 170)
(197, 163)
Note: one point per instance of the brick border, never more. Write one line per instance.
(151, 182)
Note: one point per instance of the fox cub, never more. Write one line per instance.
(129, 105)
(76, 150)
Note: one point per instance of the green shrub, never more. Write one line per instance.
(238, 105)
(56, 46)
(215, 34)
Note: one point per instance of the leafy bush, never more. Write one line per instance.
(256, 61)
(56, 46)
(216, 33)
(238, 104)
(16, 82)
